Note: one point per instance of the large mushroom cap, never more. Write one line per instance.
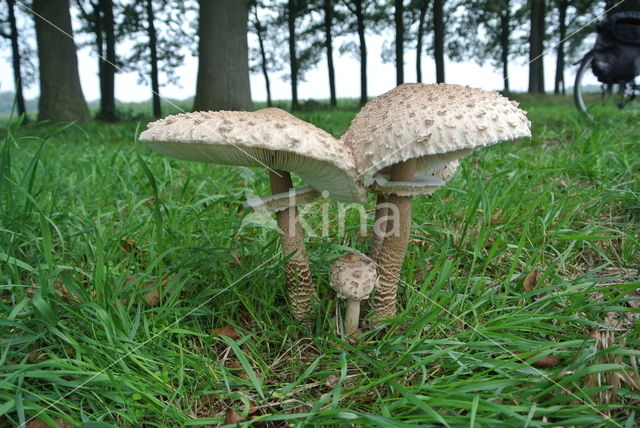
(353, 277)
(269, 138)
(432, 123)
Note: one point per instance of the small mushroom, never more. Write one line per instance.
(353, 277)
(412, 149)
(282, 143)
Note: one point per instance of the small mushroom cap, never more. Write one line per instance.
(269, 138)
(354, 277)
(432, 123)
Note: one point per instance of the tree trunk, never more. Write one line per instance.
(293, 57)
(536, 48)
(423, 13)
(505, 31)
(363, 52)
(438, 38)
(263, 55)
(223, 65)
(61, 96)
(558, 86)
(398, 16)
(107, 63)
(15, 56)
(328, 43)
(153, 48)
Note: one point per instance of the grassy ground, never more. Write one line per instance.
(132, 293)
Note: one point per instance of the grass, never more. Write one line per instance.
(133, 294)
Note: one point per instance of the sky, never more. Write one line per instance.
(381, 76)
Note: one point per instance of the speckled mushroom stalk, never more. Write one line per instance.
(395, 245)
(300, 286)
(381, 226)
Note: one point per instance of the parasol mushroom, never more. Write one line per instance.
(282, 143)
(416, 132)
(353, 277)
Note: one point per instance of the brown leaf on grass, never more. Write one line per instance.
(37, 423)
(227, 330)
(232, 417)
(531, 280)
(130, 246)
(546, 362)
(238, 369)
(497, 217)
(151, 297)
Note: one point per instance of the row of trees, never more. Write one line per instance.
(292, 35)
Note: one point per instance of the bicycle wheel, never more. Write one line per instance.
(594, 98)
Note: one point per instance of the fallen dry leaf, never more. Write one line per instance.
(497, 218)
(227, 330)
(238, 369)
(152, 297)
(232, 417)
(531, 280)
(546, 362)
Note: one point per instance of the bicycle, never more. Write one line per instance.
(614, 88)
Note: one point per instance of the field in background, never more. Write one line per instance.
(133, 291)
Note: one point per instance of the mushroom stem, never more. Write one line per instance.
(351, 317)
(300, 286)
(379, 227)
(391, 256)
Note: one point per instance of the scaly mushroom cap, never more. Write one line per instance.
(434, 124)
(354, 277)
(269, 138)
